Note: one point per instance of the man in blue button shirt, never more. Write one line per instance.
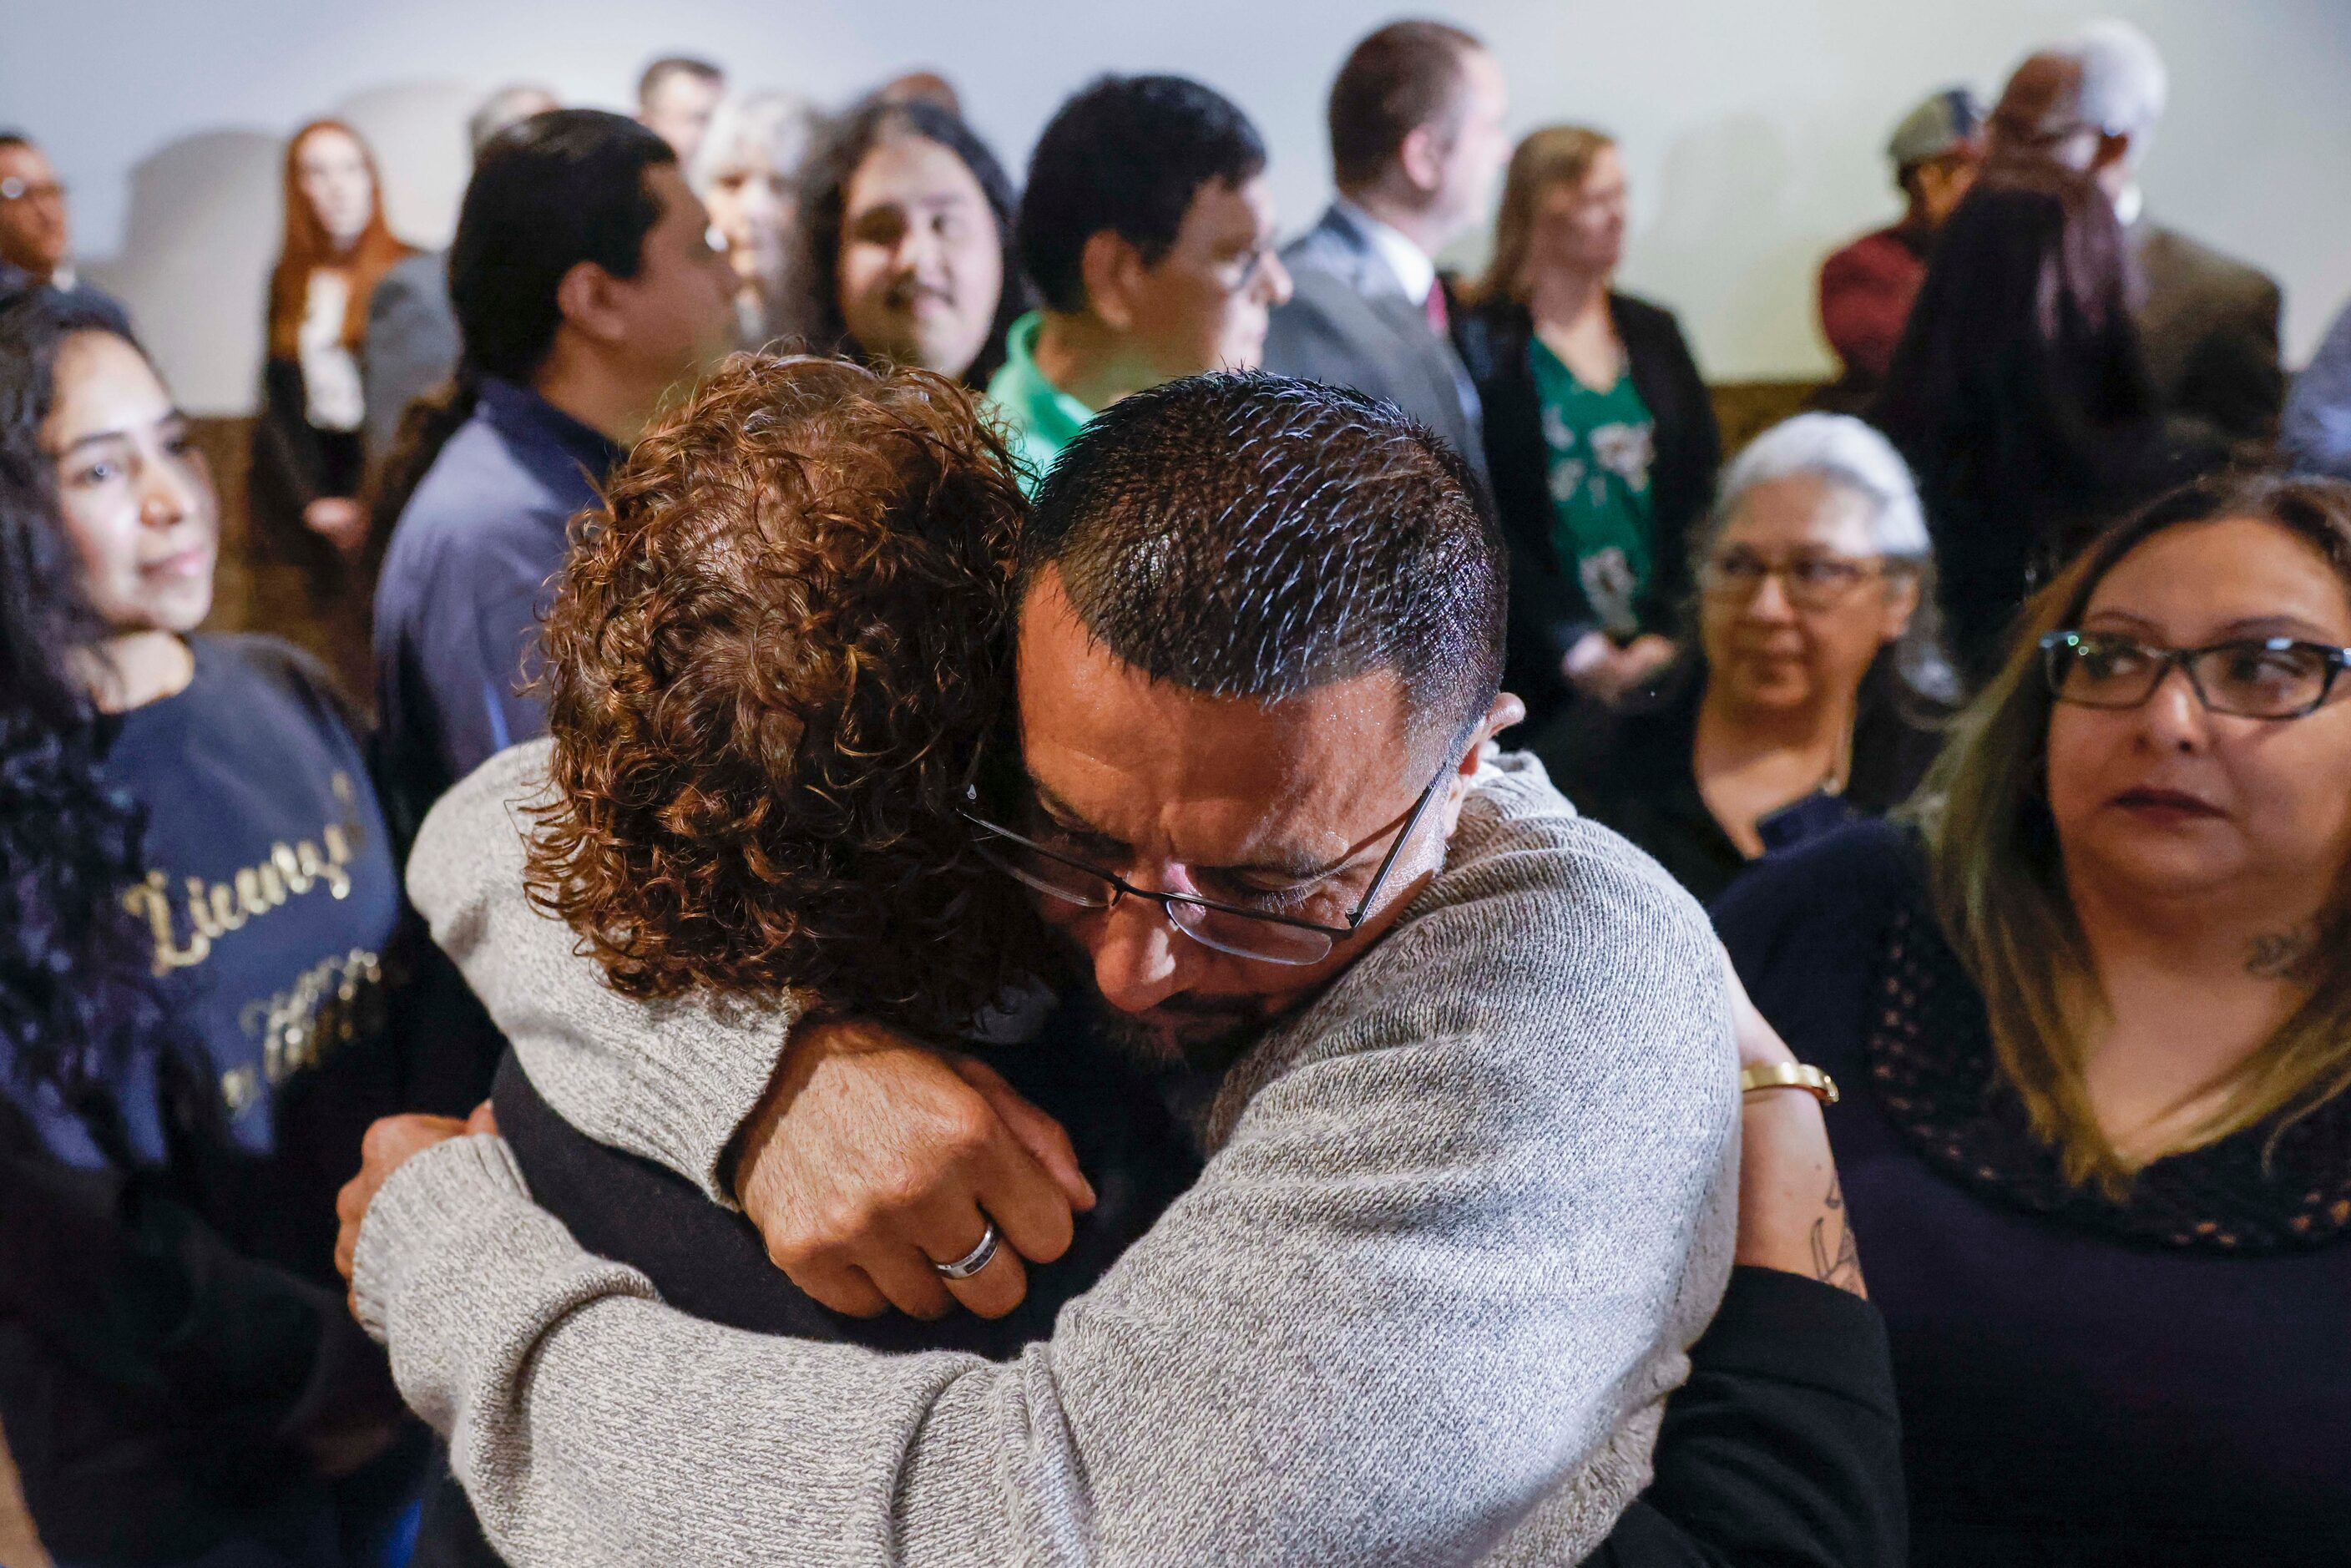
(585, 287)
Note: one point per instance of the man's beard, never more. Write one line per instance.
(1183, 1034)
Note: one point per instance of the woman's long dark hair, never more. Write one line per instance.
(78, 996)
(812, 281)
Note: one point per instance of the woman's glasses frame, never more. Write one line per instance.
(2062, 651)
(1738, 575)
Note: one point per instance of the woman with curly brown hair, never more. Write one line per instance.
(778, 661)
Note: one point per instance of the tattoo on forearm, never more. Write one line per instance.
(2276, 955)
(1836, 1257)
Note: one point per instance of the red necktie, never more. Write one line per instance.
(1439, 322)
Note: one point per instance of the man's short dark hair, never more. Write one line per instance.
(669, 66)
(1126, 154)
(549, 192)
(1401, 78)
(1244, 535)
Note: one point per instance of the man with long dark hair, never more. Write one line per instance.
(903, 248)
(585, 287)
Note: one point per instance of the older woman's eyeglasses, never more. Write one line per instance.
(1816, 580)
(2255, 677)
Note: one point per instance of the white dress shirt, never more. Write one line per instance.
(1413, 267)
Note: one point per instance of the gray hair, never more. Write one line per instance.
(780, 124)
(2124, 83)
(513, 102)
(1842, 451)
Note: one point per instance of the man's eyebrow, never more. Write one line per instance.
(1298, 867)
(1068, 816)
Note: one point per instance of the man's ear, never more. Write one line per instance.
(1112, 269)
(1421, 160)
(1506, 711)
(586, 297)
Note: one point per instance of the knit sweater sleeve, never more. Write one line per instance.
(1465, 1216)
(671, 1081)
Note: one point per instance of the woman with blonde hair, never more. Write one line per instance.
(2095, 1017)
(1599, 430)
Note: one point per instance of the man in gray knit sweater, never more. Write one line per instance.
(1462, 1065)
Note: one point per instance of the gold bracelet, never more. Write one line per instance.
(1788, 1075)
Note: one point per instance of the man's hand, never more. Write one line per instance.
(390, 1145)
(872, 1157)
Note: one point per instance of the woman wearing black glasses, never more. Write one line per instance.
(2097, 1023)
(1813, 681)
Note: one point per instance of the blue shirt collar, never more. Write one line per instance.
(533, 423)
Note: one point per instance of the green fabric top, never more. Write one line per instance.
(1043, 417)
(1600, 445)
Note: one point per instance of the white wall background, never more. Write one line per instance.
(1752, 127)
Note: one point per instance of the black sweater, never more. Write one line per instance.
(2158, 1382)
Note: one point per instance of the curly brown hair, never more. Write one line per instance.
(775, 659)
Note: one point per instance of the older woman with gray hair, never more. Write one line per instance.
(747, 172)
(1813, 684)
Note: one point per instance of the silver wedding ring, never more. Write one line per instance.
(973, 1261)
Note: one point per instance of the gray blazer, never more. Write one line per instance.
(2208, 327)
(1350, 323)
(411, 344)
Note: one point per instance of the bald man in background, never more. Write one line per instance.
(2207, 323)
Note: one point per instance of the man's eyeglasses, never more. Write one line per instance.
(15, 188)
(2259, 677)
(1816, 581)
(1258, 934)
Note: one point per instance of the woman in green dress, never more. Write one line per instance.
(1599, 431)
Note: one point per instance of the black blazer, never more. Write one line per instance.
(1549, 613)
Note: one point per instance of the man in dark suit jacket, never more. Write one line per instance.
(1417, 142)
(411, 344)
(2208, 324)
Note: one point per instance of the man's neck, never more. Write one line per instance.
(1416, 224)
(604, 401)
(1081, 355)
